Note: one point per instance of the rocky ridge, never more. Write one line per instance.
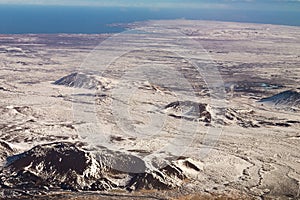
(289, 99)
(64, 165)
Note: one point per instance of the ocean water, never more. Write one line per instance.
(89, 20)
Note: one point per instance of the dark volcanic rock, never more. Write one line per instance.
(79, 80)
(288, 98)
(194, 111)
(55, 165)
(189, 110)
(244, 118)
(5, 150)
(163, 179)
(66, 166)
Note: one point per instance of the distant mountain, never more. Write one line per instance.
(289, 98)
(67, 166)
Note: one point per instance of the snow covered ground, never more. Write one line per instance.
(177, 93)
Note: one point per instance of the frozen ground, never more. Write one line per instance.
(153, 104)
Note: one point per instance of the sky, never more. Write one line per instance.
(218, 4)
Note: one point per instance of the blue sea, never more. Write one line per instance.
(90, 20)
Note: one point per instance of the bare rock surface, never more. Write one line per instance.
(80, 80)
(197, 111)
(77, 80)
(66, 166)
(5, 150)
(287, 99)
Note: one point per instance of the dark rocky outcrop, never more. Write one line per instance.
(202, 112)
(56, 165)
(189, 110)
(79, 80)
(168, 177)
(5, 150)
(67, 166)
(288, 99)
(243, 118)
